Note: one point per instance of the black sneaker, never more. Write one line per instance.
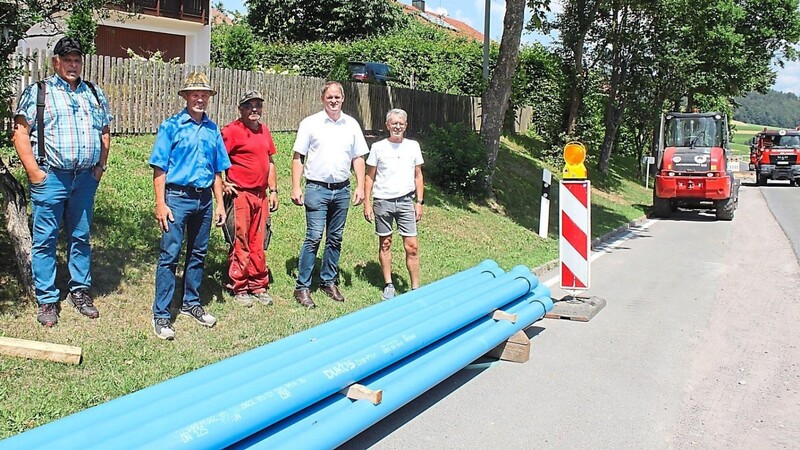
(83, 303)
(48, 314)
(199, 314)
(163, 328)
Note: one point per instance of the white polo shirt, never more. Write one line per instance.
(396, 164)
(329, 147)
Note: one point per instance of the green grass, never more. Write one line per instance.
(120, 352)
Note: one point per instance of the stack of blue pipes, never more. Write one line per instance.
(287, 394)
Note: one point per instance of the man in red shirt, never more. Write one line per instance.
(251, 183)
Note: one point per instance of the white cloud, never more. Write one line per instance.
(442, 11)
(788, 78)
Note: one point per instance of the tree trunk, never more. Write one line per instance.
(613, 119)
(576, 90)
(615, 108)
(16, 210)
(495, 100)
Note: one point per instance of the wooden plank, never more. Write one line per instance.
(361, 392)
(40, 350)
(502, 315)
(516, 349)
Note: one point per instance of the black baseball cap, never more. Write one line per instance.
(67, 45)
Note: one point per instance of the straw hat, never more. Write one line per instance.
(197, 81)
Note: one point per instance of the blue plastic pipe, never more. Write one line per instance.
(223, 418)
(106, 420)
(337, 419)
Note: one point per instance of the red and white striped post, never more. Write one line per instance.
(575, 224)
(575, 220)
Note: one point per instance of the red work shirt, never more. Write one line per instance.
(249, 152)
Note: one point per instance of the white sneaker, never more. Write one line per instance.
(388, 292)
(243, 299)
(163, 328)
(199, 314)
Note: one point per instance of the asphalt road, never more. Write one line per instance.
(784, 203)
(697, 347)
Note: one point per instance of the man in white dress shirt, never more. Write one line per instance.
(330, 141)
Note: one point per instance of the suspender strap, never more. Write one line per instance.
(40, 120)
(94, 91)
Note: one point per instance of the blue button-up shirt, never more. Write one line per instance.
(190, 153)
(73, 122)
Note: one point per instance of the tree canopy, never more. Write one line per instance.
(317, 20)
(777, 109)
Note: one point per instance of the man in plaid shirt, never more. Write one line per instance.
(63, 183)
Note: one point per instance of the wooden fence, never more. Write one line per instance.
(142, 93)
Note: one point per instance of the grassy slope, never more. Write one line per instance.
(122, 355)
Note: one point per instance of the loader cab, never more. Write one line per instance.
(692, 132)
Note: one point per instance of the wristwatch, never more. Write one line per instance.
(420, 201)
(273, 190)
(103, 167)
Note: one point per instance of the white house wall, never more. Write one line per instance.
(198, 36)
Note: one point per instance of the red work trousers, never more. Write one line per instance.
(248, 265)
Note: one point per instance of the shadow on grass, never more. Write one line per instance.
(372, 273)
(345, 277)
(605, 220)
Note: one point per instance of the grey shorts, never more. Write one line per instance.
(400, 210)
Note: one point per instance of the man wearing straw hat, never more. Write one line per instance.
(62, 138)
(188, 159)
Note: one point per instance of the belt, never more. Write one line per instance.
(408, 196)
(177, 187)
(338, 185)
(75, 170)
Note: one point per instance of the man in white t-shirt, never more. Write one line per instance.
(394, 179)
(330, 141)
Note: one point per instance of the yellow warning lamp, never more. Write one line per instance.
(574, 155)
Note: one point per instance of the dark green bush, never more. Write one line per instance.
(455, 160)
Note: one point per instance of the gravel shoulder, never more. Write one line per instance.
(745, 373)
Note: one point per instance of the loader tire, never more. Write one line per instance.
(662, 207)
(725, 208)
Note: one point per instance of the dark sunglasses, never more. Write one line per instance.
(250, 105)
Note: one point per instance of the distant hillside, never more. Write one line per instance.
(777, 109)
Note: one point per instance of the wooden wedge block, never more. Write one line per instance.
(361, 392)
(516, 349)
(502, 315)
(23, 348)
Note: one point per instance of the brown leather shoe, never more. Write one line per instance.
(332, 291)
(303, 296)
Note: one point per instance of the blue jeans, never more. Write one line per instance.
(326, 209)
(193, 214)
(68, 196)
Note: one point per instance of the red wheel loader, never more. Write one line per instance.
(692, 165)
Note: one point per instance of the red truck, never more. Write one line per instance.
(775, 155)
(692, 165)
